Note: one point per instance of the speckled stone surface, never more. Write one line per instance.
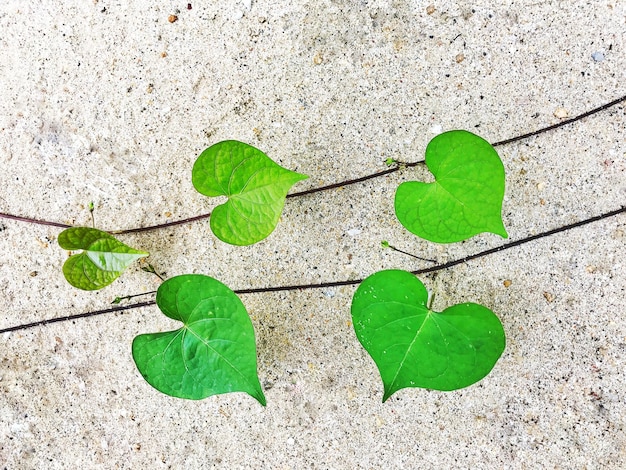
(111, 102)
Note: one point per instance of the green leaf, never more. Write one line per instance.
(466, 197)
(102, 262)
(417, 347)
(213, 352)
(256, 188)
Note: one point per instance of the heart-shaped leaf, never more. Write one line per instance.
(416, 347)
(213, 352)
(102, 262)
(256, 188)
(466, 197)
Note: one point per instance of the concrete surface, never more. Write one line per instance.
(109, 101)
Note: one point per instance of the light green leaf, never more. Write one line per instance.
(102, 262)
(466, 197)
(213, 352)
(417, 347)
(256, 188)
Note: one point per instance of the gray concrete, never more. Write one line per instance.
(109, 102)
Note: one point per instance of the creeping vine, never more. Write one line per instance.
(398, 165)
(413, 346)
(326, 285)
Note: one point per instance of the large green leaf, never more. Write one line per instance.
(466, 197)
(102, 262)
(417, 347)
(256, 188)
(213, 352)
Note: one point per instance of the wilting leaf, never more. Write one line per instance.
(103, 260)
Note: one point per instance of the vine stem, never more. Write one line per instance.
(119, 308)
(353, 282)
(399, 165)
(33, 221)
(393, 248)
(431, 299)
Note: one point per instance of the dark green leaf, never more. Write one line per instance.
(213, 352)
(417, 347)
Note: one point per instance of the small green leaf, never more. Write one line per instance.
(417, 347)
(102, 262)
(466, 198)
(213, 352)
(256, 188)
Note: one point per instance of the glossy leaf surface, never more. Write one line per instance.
(466, 197)
(213, 352)
(256, 188)
(103, 260)
(417, 347)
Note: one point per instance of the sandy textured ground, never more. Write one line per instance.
(108, 101)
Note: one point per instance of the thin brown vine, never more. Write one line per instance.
(399, 165)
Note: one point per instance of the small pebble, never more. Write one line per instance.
(172, 18)
(318, 59)
(459, 58)
(507, 283)
(597, 56)
(430, 9)
(561, 113)
(549, 296)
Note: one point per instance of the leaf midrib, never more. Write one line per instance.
(429, 313)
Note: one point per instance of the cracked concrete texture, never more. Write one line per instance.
(111, 102)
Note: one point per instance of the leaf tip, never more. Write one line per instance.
(500, 230)
(260, 397)
(388, 393)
